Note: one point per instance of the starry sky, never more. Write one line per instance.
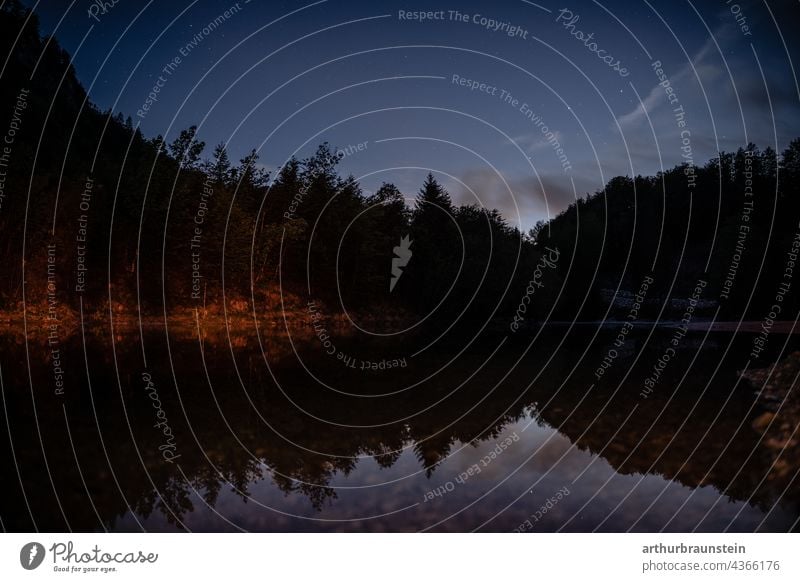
(512, 104)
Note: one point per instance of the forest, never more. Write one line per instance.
(103, 215)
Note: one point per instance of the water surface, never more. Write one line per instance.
(511, 434)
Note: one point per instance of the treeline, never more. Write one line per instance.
(731, 222)
(169, 224)
(164, 226)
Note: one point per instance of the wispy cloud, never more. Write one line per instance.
(534, 141)
(657, 98)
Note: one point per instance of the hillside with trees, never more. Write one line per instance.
(116, 219)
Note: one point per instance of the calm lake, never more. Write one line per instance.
(548, 432)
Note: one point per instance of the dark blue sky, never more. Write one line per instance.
(284, 76)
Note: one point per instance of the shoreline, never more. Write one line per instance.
(788, 327)
(12, 322)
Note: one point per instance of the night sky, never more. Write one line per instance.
(282, 77)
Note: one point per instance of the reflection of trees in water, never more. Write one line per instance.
(279, 443)
(714, 445)
(235, 462)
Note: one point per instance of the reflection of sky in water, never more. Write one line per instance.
(532, 469)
